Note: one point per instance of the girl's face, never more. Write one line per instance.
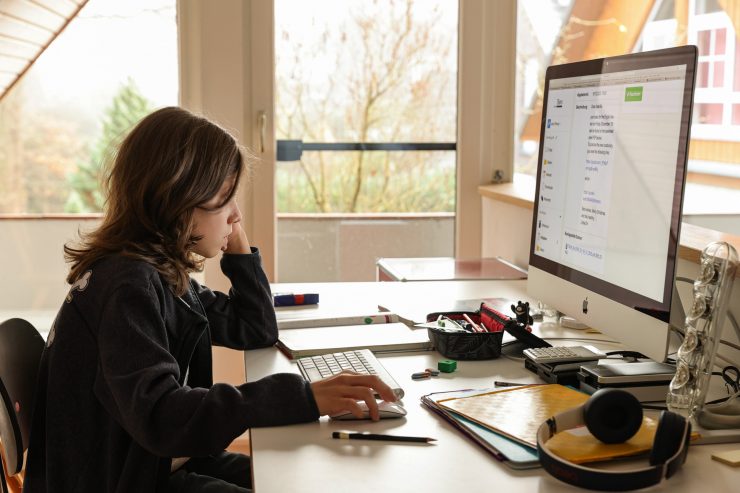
(214, 221)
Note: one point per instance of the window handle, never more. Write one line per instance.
(262, 122)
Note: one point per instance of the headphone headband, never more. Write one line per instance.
(598, 479)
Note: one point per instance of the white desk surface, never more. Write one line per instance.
(306, 458)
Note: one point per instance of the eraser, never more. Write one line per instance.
(447, 365)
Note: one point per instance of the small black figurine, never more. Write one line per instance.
(521, 310)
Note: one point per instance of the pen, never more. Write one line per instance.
(293, 299)
(353, 435)
(508, 384)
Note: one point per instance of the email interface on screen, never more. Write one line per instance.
(610, 147)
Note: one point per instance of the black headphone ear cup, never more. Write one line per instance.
(668, 437)
(612, 415)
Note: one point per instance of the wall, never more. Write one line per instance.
(34, 270)
(506, 230)
(729, 223)
(345, 248)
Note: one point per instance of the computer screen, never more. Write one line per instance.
(610, 182)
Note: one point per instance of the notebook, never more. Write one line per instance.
(510, 452)
(376, 337)
(305, 322)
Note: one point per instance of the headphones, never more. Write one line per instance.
(614, 416)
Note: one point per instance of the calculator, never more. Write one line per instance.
(563, 354)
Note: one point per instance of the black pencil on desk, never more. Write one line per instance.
(351, 435)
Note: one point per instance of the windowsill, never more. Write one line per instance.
(693, 238)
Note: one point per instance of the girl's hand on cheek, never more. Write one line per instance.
(238, 242)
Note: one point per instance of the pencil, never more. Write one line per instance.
(352, 435)
(474, 325)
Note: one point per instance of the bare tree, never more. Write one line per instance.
(382, 75)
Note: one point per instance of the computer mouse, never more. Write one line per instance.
(386, 410)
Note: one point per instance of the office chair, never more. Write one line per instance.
(20, 354)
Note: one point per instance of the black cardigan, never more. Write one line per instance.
(113, 406)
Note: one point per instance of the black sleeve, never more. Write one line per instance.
(245, 319)
(137, 383)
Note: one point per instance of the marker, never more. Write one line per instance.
(292, 299)
(353, 435)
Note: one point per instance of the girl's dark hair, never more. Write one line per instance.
(171, 162)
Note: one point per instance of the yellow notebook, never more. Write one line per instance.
(517, 413)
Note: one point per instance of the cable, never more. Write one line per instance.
(728, 343)
(685, 279)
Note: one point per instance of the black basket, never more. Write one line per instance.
(467, 345)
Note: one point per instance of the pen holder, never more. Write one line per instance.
(465, 345)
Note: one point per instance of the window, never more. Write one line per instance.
(573, 30)
(114, 63)
(366, 105)
(717, 87)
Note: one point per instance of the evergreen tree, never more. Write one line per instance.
(126, 109)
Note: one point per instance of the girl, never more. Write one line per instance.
(126, 400)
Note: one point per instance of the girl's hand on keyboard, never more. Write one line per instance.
(342, 392)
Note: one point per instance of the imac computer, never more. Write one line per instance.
(610, 182)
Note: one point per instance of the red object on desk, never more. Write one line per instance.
(445, 268)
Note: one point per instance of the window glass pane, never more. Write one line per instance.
(736, 114)
(703, 42)
(719, 74)
(114, 62)
(702, 76)
(720, 36)
(360, 71)
(709, 113)
(707, 6)
(401, 181)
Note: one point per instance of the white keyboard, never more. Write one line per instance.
(315, 368)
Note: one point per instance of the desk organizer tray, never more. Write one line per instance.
(465, 345)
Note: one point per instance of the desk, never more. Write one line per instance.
(306, 458)
(445, 269)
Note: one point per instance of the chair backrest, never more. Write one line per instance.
(20, 354)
